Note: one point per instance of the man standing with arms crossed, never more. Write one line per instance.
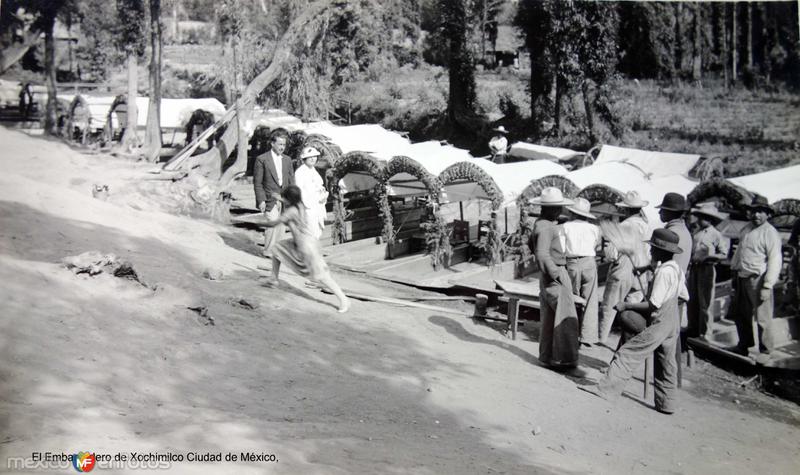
(272, 173)
(757, 263)
(709, 246)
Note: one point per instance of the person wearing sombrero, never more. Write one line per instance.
(660, 310)
(672, 211)
(709, 247)
(620, 280)
(582, 239)
(498, 144)
(558, 337)
(757, 263)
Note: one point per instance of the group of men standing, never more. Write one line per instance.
(649, 302)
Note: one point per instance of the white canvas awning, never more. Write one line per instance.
(624, 177)
(96, 107)
(531, 151)
(774, 185)
(272, 119)
(511, 179)
(654, 164)
(369, 138)
(175, 113)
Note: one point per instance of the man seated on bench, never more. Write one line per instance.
(660, 311)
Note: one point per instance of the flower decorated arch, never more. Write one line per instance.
(357, 162)
(567, 187)
(72, 121)
(601, 193)
(787, 207)
(473, 173)
(402, 164)
(470, 172)
(735, 196)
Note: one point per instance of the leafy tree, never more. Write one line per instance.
(45, 12)
(573, 48)
(460, 64)
(19, 31)
(131, 40)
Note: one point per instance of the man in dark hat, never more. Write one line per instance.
(660, 310)
(709, 246)
(671, 211)
(757, 263)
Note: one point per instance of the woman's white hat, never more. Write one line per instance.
(309, 152)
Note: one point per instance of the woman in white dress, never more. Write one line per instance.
(313, 191)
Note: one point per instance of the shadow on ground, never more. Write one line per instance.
(145, 372)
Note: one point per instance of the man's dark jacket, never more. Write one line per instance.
(265, 179)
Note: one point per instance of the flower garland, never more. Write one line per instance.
(437, 238)
(734, 195)
(787, 206)
(491, 244)
(567, 187)
(433, 231)
(348, 163)
(602, 194)
(381, 193)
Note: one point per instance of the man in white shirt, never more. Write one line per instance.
(757, 262)
(660, 311)
(621, 281)
(582, 239)
(498, 145)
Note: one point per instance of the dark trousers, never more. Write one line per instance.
(747, 306)
(659, 338)
(701, 300)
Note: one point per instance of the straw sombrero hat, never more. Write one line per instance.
(551, 196)
(582, 207)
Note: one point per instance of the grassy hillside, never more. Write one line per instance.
(751, 130)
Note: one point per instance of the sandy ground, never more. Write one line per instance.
(107, 365)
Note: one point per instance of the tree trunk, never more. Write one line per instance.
(725, 58)
(153, 131)
(210, 161)
(12, 54)
(697, 42)
(241, 134)
(678, 44)
(734, 51)
(175, 29)
(50, 75)
(129, 138)
(559, 83)
(766, 66)
(588, 105)
(461, 78)
(749, 28)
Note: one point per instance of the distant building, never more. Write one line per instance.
(505, 52)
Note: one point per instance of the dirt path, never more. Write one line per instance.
(107, 365)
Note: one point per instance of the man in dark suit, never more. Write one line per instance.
(272, 173)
